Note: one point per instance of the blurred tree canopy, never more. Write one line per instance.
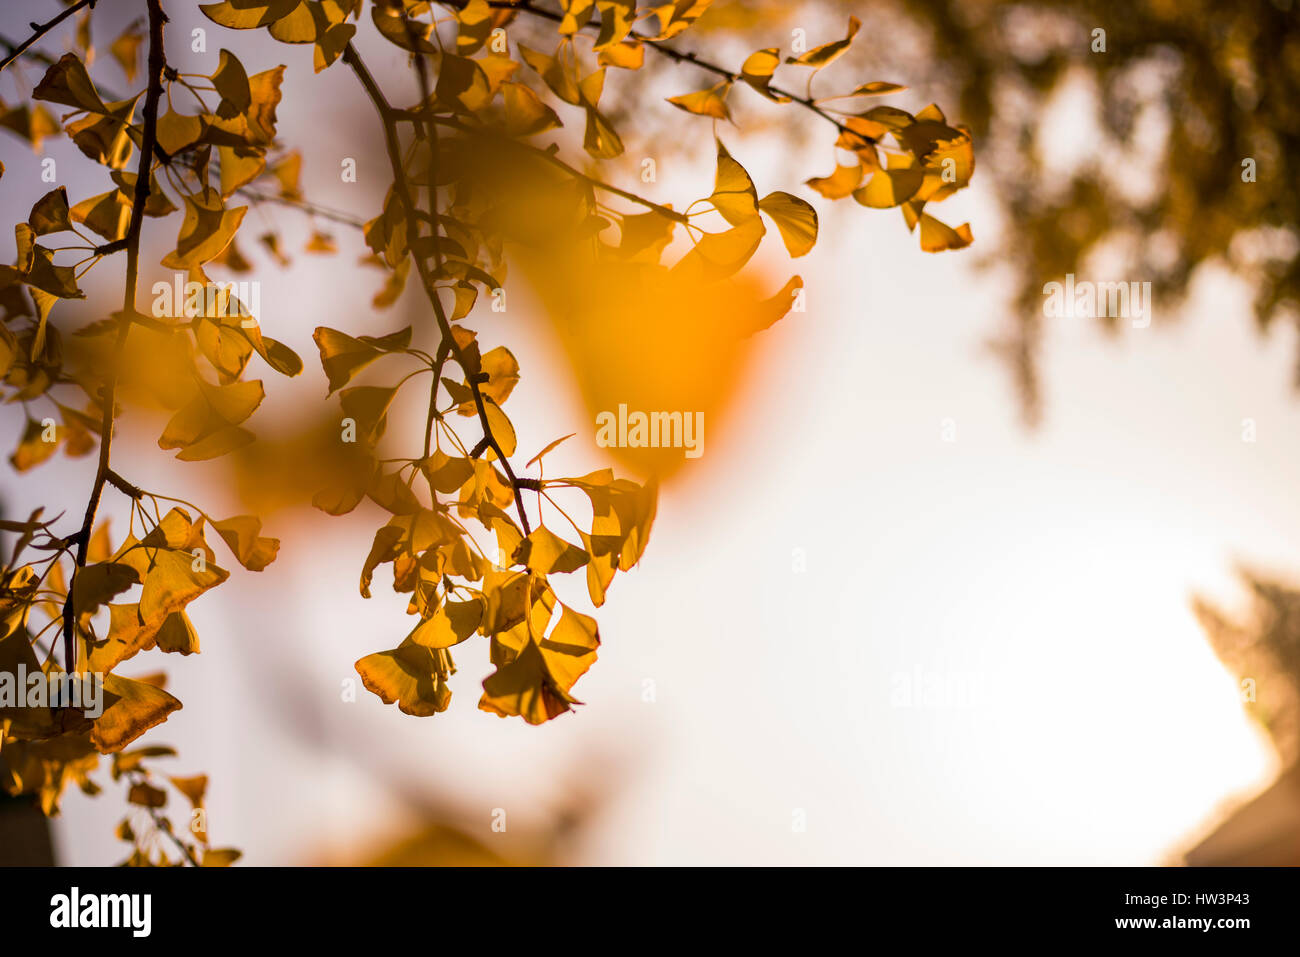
(1261, 647)
(1153, 186)
(1185, 93)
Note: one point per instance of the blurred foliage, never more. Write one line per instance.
(1150, 186)
(1262, 648)
(1184, 93)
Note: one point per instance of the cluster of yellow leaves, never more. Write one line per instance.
(455, 590)
(497, 189)
(900, 159)
(208, 155)
(148, 830)
(49, 746)
(489, 187)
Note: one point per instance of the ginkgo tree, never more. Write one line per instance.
(477, 176)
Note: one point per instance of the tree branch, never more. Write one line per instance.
(104, 473)
(40, 29)
(678, 56)
(388, 117)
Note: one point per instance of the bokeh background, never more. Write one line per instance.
(953, 583)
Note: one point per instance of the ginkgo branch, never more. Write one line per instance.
(103, 472)
(40, 29)
(409, 209)
(678, 56)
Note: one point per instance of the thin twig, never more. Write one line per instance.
(40, 29)
(678, 56)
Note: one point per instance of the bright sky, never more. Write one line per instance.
(1045, 578)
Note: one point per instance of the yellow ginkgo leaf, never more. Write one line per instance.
(525, 687)
(645, 235)
(368, 406)
(733, 194)
(96, 585)
(795, 218)
(447, 473)
(549, 447)
(600, 138)
(343, 356)
(251, 549)
(126, 50)
(51, 213)
(131, 707)
(248, 14)
(937, 237)
(570, 649)
(526, 114)
(108, 214)
(406, 32)
(67, 82)
(719, 255)
(451, 624)
(502, 430)
(231, 81)
(874, 88)
(555, 72)
(757, 71)
(206, 426)
(710, 102)
(838, 184)
(220, 856)
(177, 131)
(474, 26)
(891, 187)
(206, 230)
(544, 552)
(462, 84)
(505, 594)
(626, 56)
(406, 676)
(502, 370)
(177, 635)
(827, 53)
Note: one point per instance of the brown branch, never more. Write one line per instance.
(389, 118)
(103, 473)
(678, 56)
(40, 29)
(313, 209)
(444, 350)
